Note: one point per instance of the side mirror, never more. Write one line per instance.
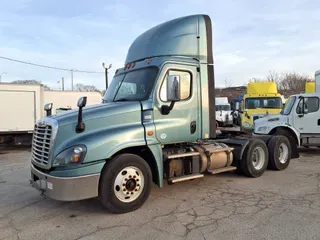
(48, 108)
(82, 102)
(173, 88)
(173, 93)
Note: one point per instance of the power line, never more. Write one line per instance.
(45, 66)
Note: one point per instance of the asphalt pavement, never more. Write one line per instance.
(278, 205)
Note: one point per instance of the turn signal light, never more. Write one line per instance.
(76, 158)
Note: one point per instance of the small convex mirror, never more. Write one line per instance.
(48, 106)
(82, 102)
(173, 88)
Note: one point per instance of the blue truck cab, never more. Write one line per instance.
(156, 123)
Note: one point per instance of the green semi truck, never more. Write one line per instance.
(156, 123)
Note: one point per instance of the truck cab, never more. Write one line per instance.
(156, 123)
(224, 115)
(261, 99)
(300, 118)
(310, 87)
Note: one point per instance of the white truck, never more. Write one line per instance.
(22, 105)
(224, 115)
(299, 119)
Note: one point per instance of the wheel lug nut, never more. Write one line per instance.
(124, 189)
(131, 193)
(137, 180)
(130, 176)
(127, 193)
(136, 189)
(126, 179)
(123, 184)
(134, 176)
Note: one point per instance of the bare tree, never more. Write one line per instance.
(228, 83)
(252, 80)
(31, 82)
(273, 77)
(293, 83)
(79, 87)
(288, 83)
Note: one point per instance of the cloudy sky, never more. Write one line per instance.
(250, 37)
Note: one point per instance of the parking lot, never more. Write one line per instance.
(278, 205)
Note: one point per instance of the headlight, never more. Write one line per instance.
(70, 156)
(262, 129)
(247, 125)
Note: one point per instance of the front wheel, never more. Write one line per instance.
(280, 152)
(255, 158)
(125, 183)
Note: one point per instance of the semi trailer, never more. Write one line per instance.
(156, 123)
(22, 105)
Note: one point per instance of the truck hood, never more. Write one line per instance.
(97, 111)
(268, 122)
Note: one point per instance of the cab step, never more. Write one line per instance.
(185, 178)
(221, 170)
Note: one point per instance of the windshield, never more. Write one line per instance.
(132, 86)
(288, 106)
(223, 108)
(255, 103)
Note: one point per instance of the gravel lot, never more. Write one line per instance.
(278, 205)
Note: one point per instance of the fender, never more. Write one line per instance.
(102, 144)
(295, 133)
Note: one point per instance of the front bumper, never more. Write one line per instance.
(65, 188)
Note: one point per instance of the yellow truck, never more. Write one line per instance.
(310, 87)
(261, 99)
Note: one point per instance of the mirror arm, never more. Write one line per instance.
(165, 109)
(49, 112)
(80, 125)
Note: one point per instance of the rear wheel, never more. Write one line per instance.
(125, 183)
(255, 158)
(279, 153)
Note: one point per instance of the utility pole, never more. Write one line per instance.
(106, 73)
(1, 75)
(62, 81)
(71, 79)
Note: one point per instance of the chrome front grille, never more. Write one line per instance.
(41, 144)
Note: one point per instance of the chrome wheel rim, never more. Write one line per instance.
(129, 184)
(283, 153)
(258, 158)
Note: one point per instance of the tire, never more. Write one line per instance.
(125, 183)
(279, 149)
(255, 158)
(283, 132)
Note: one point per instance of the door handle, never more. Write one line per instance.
(193, 127)
(318, 122)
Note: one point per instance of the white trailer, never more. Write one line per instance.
(299, 119)
(223, 112)
(21, 105)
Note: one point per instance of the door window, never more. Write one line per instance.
(311, 104)
(185, 79)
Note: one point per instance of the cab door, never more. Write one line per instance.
(182, 123)
(307, 115)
